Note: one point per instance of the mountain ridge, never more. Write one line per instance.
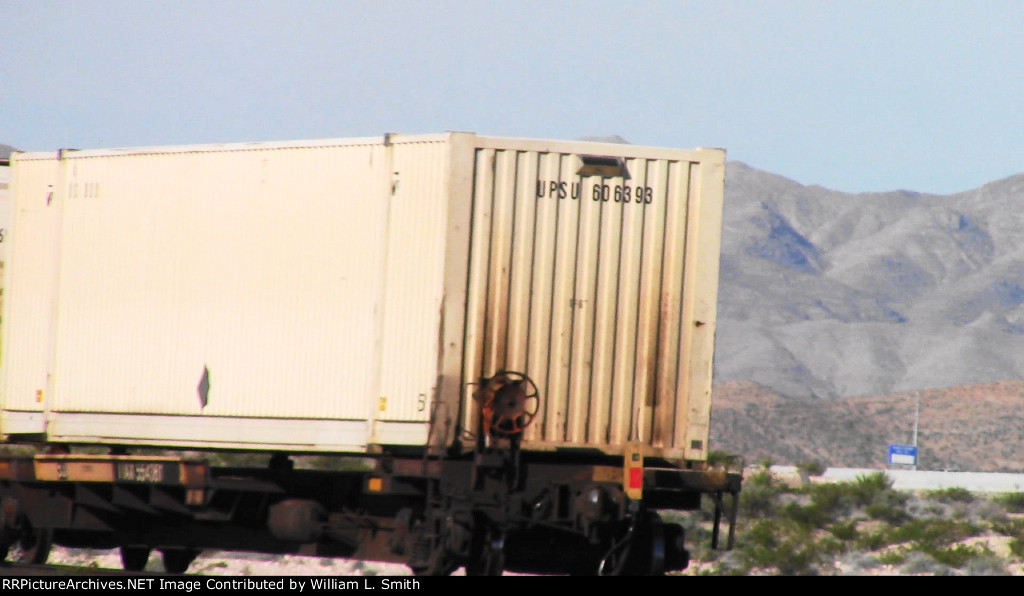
(831, 294)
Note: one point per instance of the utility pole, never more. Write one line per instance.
(917, 415)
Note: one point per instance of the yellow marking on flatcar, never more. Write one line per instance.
(633, 471)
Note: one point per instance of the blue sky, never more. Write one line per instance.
(854, 95)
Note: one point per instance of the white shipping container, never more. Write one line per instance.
(346, 295)
(5, 222)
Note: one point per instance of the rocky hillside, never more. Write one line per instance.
(827, 294)
(975, 428)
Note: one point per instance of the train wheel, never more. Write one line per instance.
(177, 560)
(134, 558)
(654, 562)
(31, 546)
(642, 552)
(440, 564)
(19, 541)
(429, 554)
(487, 556)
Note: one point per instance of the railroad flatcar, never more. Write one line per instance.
(498, 352)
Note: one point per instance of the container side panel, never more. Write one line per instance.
(582, 305)
(447, 411)
(675, 182)
(525, 205)
(648, 315)
(498, 267)
(30, 282)
(235, 283)
(5, 226)
(562, 299)
(538, 361)
(476, 299)
(625, 411)
(605, 301)
(414, 284)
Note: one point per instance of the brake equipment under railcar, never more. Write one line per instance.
(489, 508)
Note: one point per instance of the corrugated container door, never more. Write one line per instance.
(596, 275)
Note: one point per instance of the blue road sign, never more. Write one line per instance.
(903, 454)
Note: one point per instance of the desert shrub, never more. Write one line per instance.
(832, 495)
(874, 492)
(798, 559)
(959, 511)
(1017, 547)
(804, 531)
(1014, 502)
(782, 546)
(846, 531)
(795, 559)
(707, 509)
(860, 562)
(1009, 527)
(723, 568)
(758, 501)
(873, 540)
(932, 533)
(808, 469)
(918, 562)
(811, 468)
(760, 478)
(830, 546)
(698, 537)
(811, 516)
(759, 496)
(835, 497)
(953, 556)
(706, 555)
(986, 564)
(867, 486)
(892, 557)
(988, 511)
(953, 494)
(888, 507)
(763, 533)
